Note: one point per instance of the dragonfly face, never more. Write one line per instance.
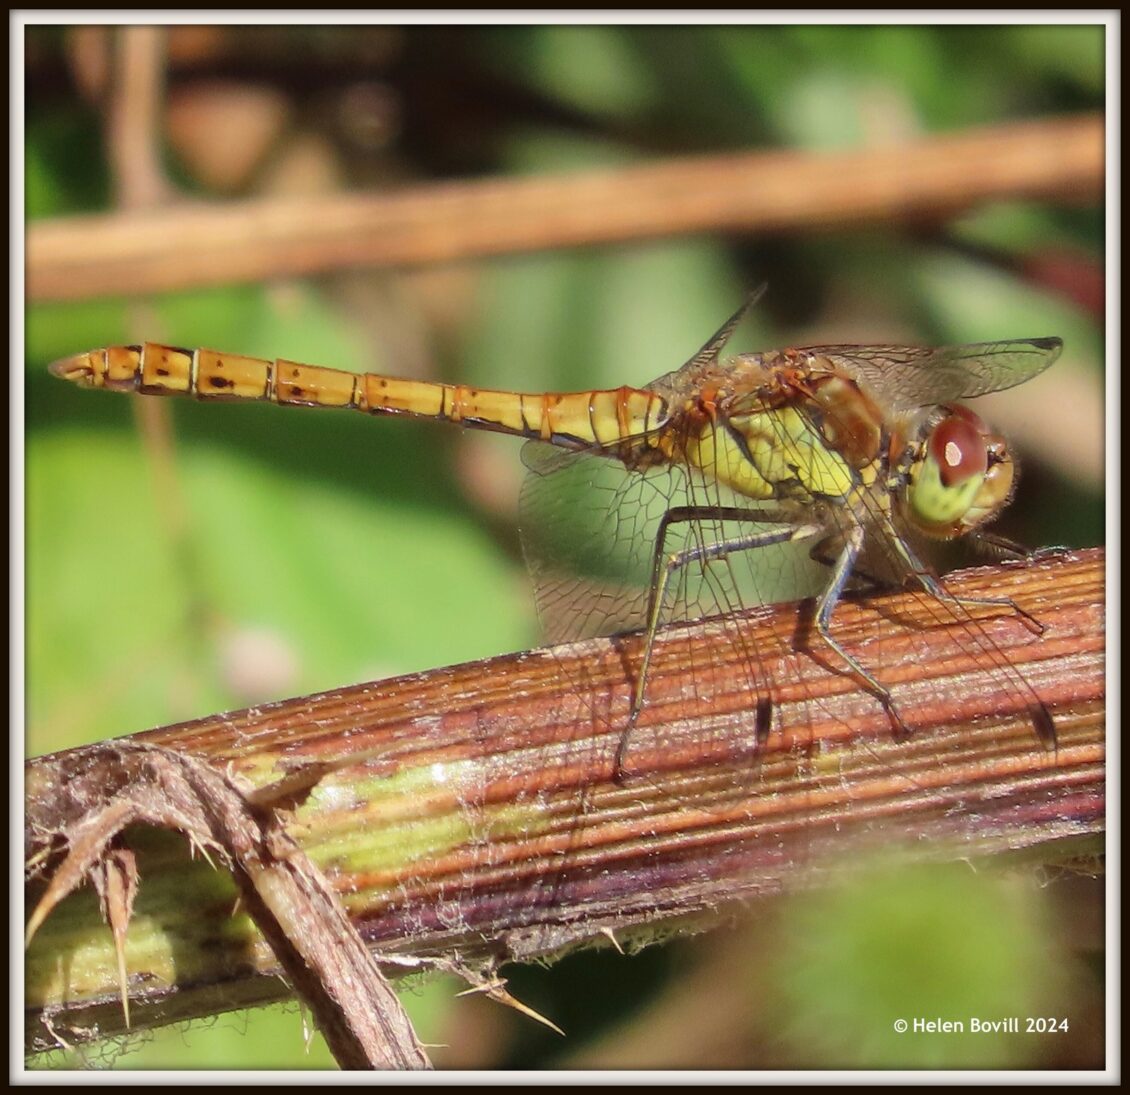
(958, 475)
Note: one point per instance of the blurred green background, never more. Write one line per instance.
(276, 553)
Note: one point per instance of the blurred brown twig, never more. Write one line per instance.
(195, 244)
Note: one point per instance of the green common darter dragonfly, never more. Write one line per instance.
(672, 502)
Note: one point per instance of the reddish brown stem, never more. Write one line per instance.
(469, 815)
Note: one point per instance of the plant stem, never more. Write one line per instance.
(186, 245)
(473, 815)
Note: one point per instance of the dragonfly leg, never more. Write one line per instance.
(930, 583)
(933, 586)
(842, 570)
(665, 564)
(1042, 722)
(1014, 550)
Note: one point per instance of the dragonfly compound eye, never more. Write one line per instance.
(962, 477)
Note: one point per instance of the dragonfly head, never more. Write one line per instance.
(960, 474)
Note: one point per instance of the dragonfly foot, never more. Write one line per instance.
(899, 728)
(1044, 554)
(1030, 621)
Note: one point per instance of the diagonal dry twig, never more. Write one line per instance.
(99, 791)
(469, 816)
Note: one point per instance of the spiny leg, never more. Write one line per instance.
(1013, 550)
(929, 582)
(842, 571)
(1042, 722)
(664, 566)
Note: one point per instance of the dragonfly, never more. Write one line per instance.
(648, 506)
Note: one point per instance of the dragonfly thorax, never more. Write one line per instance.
(807, 437)
(956, 473)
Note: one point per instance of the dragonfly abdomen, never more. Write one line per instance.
(594, 419)
(586, 420)
(152, 369)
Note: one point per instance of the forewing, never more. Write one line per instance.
(906, 377)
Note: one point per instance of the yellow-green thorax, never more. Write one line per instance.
(811, 437)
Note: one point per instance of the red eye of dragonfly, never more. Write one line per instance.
(957, 444)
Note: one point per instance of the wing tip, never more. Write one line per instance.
(1052, 345)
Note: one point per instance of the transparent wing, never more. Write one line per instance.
(905, 377)
(589, 528)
